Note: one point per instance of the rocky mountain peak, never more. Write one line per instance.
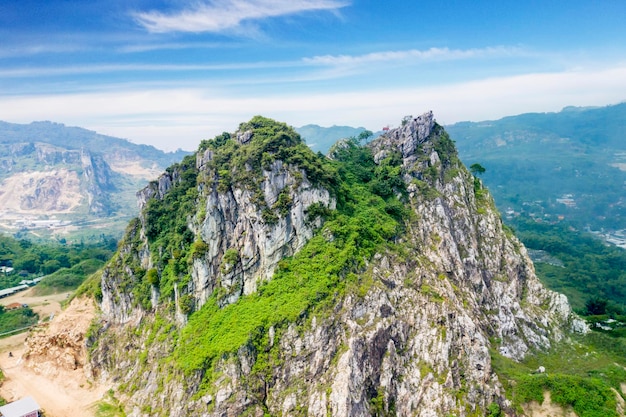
(377, 282)
(406, 138)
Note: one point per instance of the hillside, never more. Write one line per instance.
(264, 279)
(568, 166)
(55, 180)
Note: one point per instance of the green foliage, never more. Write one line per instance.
(186, 303)
(387, 180)
(444, 146)
(153, 277)
(91, 287)
(170, 239)
(579, 374)
(378, 408)
(199, 248)
(110, 406)
(588, 397)
(494, 410)
(74, 262)
(591, 269)
(67, 279)
(595, 306)
(17, 319)
(477, 169)
(231, 256)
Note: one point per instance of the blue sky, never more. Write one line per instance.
(173, 72)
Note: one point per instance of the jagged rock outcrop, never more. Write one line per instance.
(234, 223)
(243, 233)
(412, 338)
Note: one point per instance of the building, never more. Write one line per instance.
(6, 270)
(9, 291)
(26, 407)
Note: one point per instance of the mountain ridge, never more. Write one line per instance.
(392, 305)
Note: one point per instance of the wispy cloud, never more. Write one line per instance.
(180, 117)
(228, 15)
(39, 49)
(26, 72)
(432, 54)
(334, 66)
(148, 47)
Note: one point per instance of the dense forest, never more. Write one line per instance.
(65, 265)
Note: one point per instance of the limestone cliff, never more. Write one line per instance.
(401, 307)
(42, 178)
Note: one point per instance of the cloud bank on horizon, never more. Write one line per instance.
(173, 72)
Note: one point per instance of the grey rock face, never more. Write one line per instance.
(235, 223)
(413, 132)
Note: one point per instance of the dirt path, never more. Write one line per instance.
(44, 305)
(40, 367)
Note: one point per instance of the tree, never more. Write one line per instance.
(596, 306)
(477, 169)
(365, 135)
(50, 266)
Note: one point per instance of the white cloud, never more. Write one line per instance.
(228, 15)
(431, 54)
(173, 118)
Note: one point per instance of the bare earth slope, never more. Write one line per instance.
(49, 366)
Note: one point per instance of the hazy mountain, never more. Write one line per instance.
(54, 179)
(569, 165)
(322, 138)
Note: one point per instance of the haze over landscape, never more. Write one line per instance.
(170, 73)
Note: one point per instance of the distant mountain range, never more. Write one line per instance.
(320, 139)
(569, 165)
(55, 178)
(566, 166)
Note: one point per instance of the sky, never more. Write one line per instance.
(173, 72)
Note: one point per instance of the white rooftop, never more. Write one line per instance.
(20, 408)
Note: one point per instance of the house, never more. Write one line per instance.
(26, 407)
(13, 306)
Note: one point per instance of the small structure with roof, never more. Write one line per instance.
(26, 407)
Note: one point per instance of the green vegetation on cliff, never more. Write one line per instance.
(368, 217)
